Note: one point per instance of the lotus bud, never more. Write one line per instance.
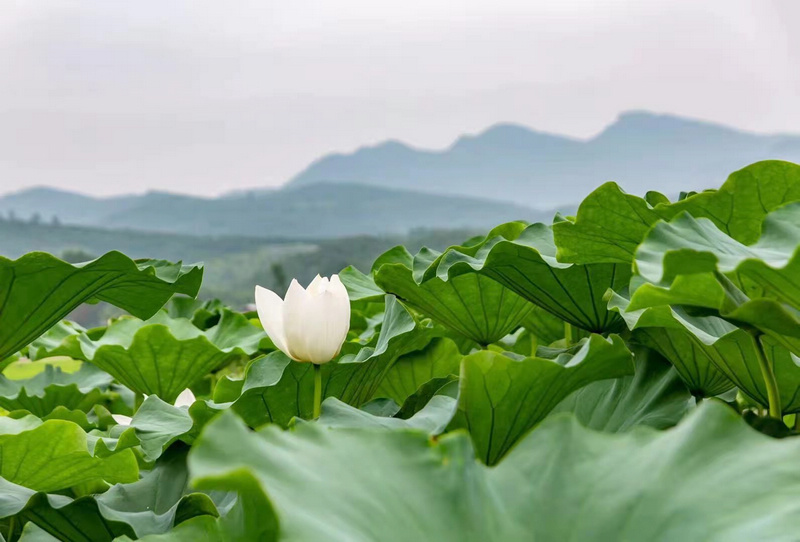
(310, 324)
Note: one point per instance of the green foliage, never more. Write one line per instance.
(610, 224)
(502, 398)
(164, 355)
(478, 307)
(523, 259)
(644, 485)
(629, 374)
(54, 388)
(38, 290)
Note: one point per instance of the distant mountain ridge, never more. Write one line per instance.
(315, 211)
(504, 173)
(641, 151)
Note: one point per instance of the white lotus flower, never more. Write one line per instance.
(185, 398)
(309, 324)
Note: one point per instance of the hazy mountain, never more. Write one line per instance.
(641, 151)
(304, 212)
(69, 207)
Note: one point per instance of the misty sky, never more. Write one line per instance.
(209, 96)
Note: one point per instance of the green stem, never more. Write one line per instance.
(773, 395)
(569, 338)
(12, 524)
(317, 390)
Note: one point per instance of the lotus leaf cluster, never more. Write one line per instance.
(628, 373)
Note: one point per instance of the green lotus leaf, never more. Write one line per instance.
(715, 294)
(688, 245)
(59, 340)
(276, 389)
(706, 269)
(610, 224)
(531, 495)
(203, 313)
(500, 398)
(158, 424)
(54, 455)
(431, 418)
(52, 388)
(438, 359)
(445, 385)
(653, 396)
(39, 290)
(164, 356)
(712, 355)
(525, 262)
(360, 287)
(149, 505)
(250, 518)
(476, 306)
(669, 331)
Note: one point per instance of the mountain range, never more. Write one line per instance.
(641, 151)
(506, 172)
(313, 211)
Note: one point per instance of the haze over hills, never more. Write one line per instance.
(305, 212)
(641, 151)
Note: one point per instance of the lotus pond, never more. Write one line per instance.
(629, 373)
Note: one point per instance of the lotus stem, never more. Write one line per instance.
(317, 390)
(773, 395)
(569, 338)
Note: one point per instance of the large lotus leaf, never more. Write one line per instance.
(52, 388)
(500, 398)
(527, 265)
(54, 455)
(610, 224)
(164, 356)
(697, 345)
(627, 486)
(250, 518)
(671, 332)
(39, 290)
(711, 271)
(716, 294)
(431, 418)
(711, 478)
(438, 359)
(476, 306)
(769, 268)
(149, 505)
(653, 396)
(275, 389)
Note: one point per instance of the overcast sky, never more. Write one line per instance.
(210, 96)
